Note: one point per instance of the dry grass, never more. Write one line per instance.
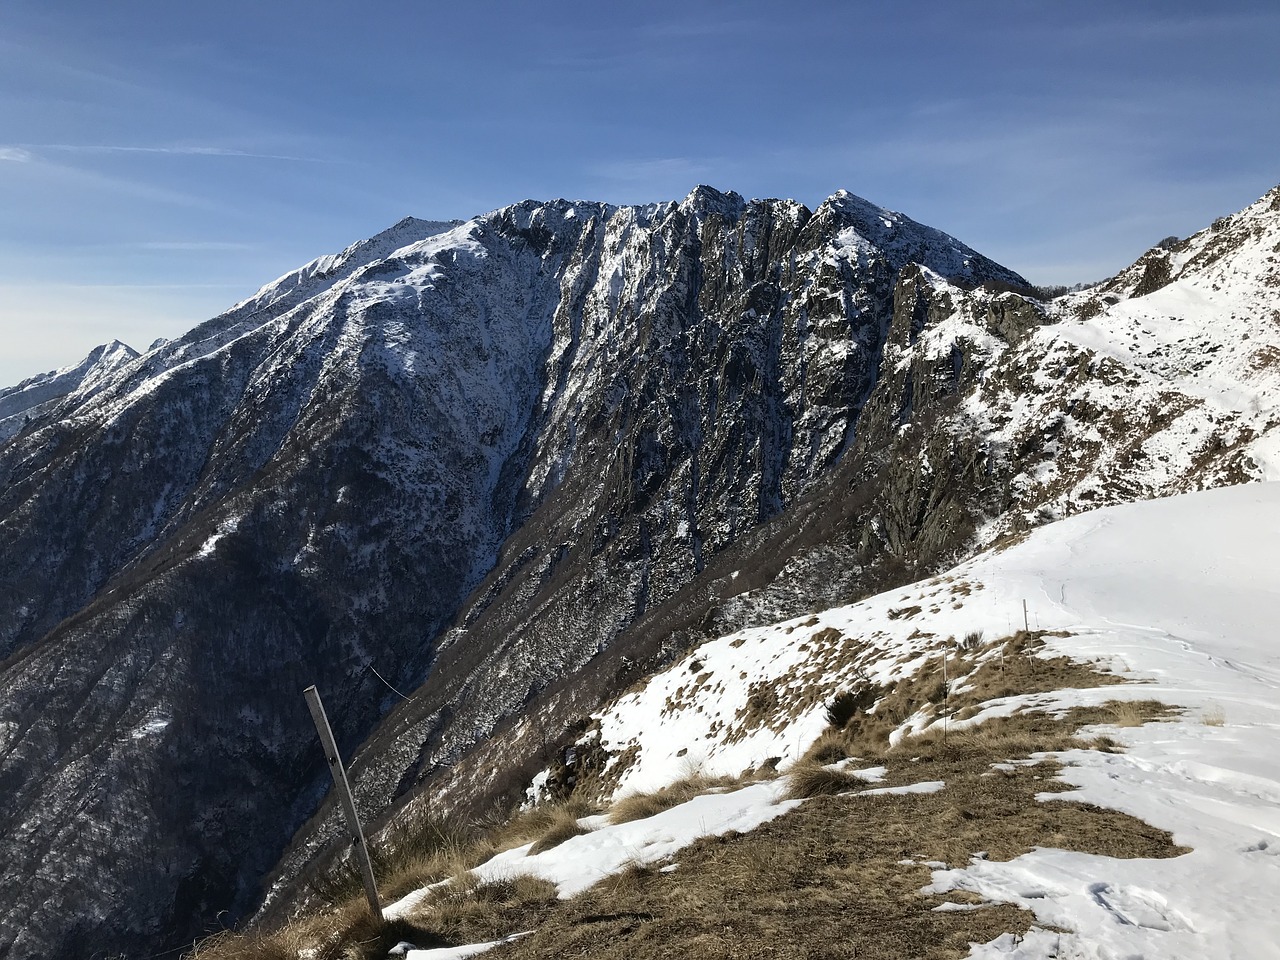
(638, 806)
(1213, 716)
(809, 778)
(545, 825)
(348, 933)
(449, 861)
(831, 747)
(1004, 738)
(1134, 713)
(827, 880)
(475, 912)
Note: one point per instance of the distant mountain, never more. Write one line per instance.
(508, 466)
(38, 395)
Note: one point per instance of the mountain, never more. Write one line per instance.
(307, 489)
(39, 394)
(512, 465)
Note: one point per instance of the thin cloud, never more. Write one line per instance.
(179, 151)
(16, 155)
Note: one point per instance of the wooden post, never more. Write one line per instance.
(945, 693)
(339, 773)
(1026, 627)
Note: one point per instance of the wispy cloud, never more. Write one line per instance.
(15, 155)
(28, 151)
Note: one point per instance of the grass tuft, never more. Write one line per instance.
(809, 778)
(561, 825)
(1134, 713)
(1213, 716)
(831, 747)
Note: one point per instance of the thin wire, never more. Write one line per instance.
(389, 686)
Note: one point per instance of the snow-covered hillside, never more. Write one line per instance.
(1179, 597)
(1162, 380)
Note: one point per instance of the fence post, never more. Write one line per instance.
(340, 783)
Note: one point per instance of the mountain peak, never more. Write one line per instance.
(705, 199)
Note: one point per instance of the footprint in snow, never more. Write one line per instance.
(1135, 907)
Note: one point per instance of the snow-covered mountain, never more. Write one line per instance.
(37, 395)
(510, 466)
(580, 402)
(991, 414)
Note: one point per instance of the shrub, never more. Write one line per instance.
(563, 825)
(847, 704)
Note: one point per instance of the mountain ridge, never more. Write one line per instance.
(509, 464)
(240, 507)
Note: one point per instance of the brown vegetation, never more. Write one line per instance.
(838, 877)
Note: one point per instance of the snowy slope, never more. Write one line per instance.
(1164, 380)
(1181, 594)
(1208, 322)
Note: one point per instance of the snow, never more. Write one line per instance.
(581, 861)
(926, 786)
(1181, 594)
(458, 953)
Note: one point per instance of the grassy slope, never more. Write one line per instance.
(838, 877)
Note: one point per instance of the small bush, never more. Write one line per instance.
(971, 641)
(637, 806)
(563, 825)
(523, 888)
(936, 692)
(847, 704)
(1134, 713)
(544, 825)
(1213, 716)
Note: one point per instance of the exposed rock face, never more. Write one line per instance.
(538, 426)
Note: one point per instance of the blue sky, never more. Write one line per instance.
(160, 161)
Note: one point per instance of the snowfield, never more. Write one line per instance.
(1181, 596)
